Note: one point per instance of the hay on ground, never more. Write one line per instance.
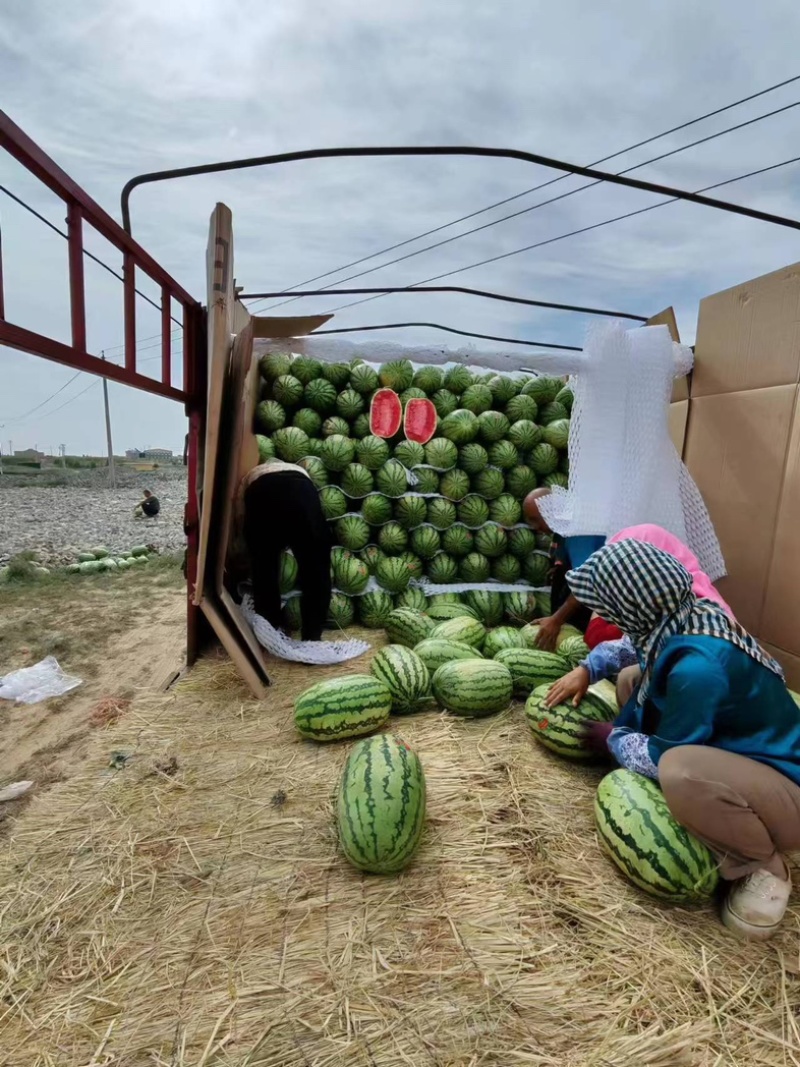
(203, 916)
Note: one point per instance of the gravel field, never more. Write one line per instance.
(59, 522)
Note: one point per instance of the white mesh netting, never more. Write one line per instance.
(314, 653)
(623, 467)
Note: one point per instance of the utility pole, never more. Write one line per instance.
(111, 472)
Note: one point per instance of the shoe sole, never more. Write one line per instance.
(747, 930)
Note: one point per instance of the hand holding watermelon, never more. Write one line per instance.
(549, 629)
(572, 687)
(595, 736)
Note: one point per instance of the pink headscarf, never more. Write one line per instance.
(667, 542)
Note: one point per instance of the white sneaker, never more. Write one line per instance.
(755, 905)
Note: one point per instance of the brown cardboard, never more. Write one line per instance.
(284, 326)
(219, 274)
(250, 672)
(781, 621)
(748, 337)
(680, 387)
(678, 418)
(790, 663)
(735, 449)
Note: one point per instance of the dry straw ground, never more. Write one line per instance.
(187, 907)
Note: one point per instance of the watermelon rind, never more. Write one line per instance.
(404, 675)
(357, 481)
(337, 708)
(472, 688)
(435, 652)
(373, 452)
(396, 375)
(385, 413)
(470, 631)
(408, 627)
(531, 668)
(337, 452)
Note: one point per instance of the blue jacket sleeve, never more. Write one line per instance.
(695, 689)
(609, 658)
(581, 547)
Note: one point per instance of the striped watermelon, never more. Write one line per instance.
(573, 649)
(392, 574)
(531, 668)
(273, 364)
(472, 687)
(491, 540)
(556, 433)
(316, 470)
(410, 511)
(350, 706)
(504, 454)
(473, 458)
(454, 484)
(477, 398)
(473, 511)
(360, 427)
(489, 483)
(470, 631)
(385, 413)
(373, 452)
(291, 613)
(357, 481)
(442, 570)
(565, 397)
(543, 459)
(560, 728)
(460, 426)
(404, 675)
(520, 409)
(519, 607)
(444, 401)
(537, 568)
(638, 832)
(376, 509)
(457, 540)
(363, 379)
(308, 421)
(349, 403)
(457, 379)
(291, 444)
(503, 388)
(266, 449)
(370, 555)
(543, 389)
(320, 395)
(474, 568)
(487, 606)
(350, 575)
(493, 426)
(397, 374)
(525, 434)
(341, 612)
(501, 637)
(505, 510)
(336, 373)
(307, 370)
(335, 424)
(443, 610)
(415, 565)
(551, 413)
(435, 652)
(429, 379)
(413, 598)
(287, 574)
(393, 539)
(520, 481)
(521, 542)
(392, 478)
(404, 626)
(374, 609)
(287, 390)
(441, 454)
(337, 452)
(409, 453)
(425, 542)
(558, 478)
(441, 513)
(352, 532)
(380, 807)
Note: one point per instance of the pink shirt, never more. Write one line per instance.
(667, 542)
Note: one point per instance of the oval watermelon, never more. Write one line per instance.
(413, 598)
(474, 568)
(404, 675)
(519, 608)
(435, 652)
(337, 452)
(639, 833)
(410, 511)
(380, 805)
(501, 637)
(531, 668)
(460, 426)
(441, 609)
(473, 688)
(342, 707)
(470, 631)
(392, 479)
(392, 573)
(385, 413)
(374, 609)
(419, 421)
(561, 728)
(409, 453)
(405, 626)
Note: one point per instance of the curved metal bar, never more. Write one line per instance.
(444, 150)
(448, 329)
(447, 289)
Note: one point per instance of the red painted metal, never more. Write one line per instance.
(129, 289)
(77, 289)
(166, 337)
(2, 297)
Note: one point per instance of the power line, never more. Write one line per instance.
(583, 229)
(89, 255)
(536, 188)
(552, 200)
(17, 418)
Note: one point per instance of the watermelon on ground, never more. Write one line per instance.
(340, 612)
(374, 608)
(501, 637)
(640, 834)
(473, 688)
(405, 626)
(531, 668)
(470, 631)
(519, 608)
(404, 675)
(350, 706)
(380, 805)
(562, 727)
(434, 652)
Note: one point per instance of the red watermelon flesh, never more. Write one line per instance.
(420, 420)
(385, 413)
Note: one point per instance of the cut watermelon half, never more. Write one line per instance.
(385, 413)
(420, 420)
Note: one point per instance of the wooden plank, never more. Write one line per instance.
(219, 273)
(285, 326)
(249, 671)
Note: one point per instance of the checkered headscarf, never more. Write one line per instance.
(648, 594)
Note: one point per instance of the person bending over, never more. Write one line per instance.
(712, 721)
(282, 510)
(616, 657)
(149, 507)
(567, 552)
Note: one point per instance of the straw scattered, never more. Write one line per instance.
(204, 916)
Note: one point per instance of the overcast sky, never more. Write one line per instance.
(139, 86)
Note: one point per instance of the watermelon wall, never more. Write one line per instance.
(413, 520)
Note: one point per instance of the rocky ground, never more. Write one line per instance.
(60, 521)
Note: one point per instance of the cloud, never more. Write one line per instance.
(130, 88)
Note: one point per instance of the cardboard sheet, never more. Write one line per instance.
(748, 337)
(789, 661)
(678, 419)
(680, 388)
(735, 449)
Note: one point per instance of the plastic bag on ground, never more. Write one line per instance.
(44, 680)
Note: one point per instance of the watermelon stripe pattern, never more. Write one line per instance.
(530, 668)
(638, 832)
(404, 675)
(560, 728)
(473, 688)
(381, 805)
(342, 707)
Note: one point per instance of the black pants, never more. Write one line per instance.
(282, 510)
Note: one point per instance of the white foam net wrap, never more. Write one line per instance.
(623, 467)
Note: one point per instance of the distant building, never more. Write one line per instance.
(157, 453)
(132, 453)
(31, 453)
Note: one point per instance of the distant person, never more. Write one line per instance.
(282, 510)
(149, 507)
(567, 553)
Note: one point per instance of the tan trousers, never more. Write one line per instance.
(745, 811)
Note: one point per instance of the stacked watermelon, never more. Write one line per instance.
(421, 473)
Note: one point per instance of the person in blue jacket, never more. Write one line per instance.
(711, 720)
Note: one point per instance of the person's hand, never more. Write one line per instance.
(572, 687)
(627, 681)
(595, 736)
(549, 629)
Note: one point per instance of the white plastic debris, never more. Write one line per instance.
(44, 680)
(14, 791)
(311, 652)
